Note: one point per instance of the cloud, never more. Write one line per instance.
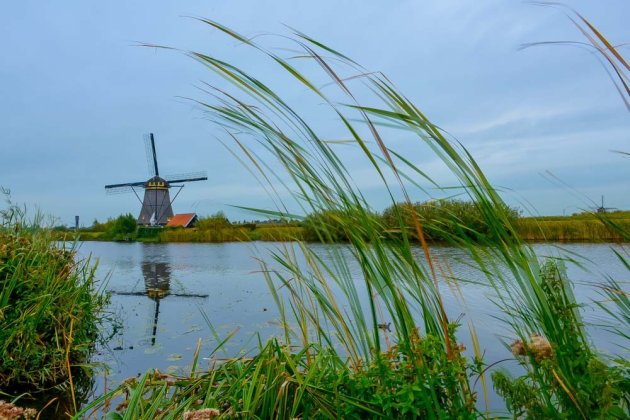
(77, 96)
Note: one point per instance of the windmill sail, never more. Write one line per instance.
(149, 145)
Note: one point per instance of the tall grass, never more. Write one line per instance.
(378, 343)
(49, 309)
(592, 230)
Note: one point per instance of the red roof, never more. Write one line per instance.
(184, 219)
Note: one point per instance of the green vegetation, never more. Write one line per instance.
(215, 221)
(214, 228)
(441, 220)
(122, 228)
(564, 359)
(49, 307)
(589, 227)
(382, 344)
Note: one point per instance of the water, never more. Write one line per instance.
(167, 298)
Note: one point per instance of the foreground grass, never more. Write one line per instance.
(49, 309)
(312, 383)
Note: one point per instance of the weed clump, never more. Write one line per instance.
(49, 306)
(564, 376)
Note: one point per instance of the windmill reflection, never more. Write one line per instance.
(157, 284)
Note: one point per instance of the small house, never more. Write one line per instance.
(185, 220)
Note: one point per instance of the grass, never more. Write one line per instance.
(436, 228)
(380, 343)
(49, 310)
(570, 229)
(592, 388)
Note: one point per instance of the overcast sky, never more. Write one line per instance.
(76, 95)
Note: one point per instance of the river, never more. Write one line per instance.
(167, 297)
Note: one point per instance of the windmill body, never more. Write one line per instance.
(156, 207)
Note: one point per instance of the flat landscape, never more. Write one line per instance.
(387, 210)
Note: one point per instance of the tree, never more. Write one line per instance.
(125, 223)
(215, 221)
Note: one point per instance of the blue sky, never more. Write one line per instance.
(77, 95)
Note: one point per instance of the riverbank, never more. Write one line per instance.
(585, 227)
(581, 227)
(51, 312)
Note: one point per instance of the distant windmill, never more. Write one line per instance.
(156, 205)
(602, 209)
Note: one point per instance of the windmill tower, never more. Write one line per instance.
(157, 204)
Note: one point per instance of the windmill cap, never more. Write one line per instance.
(156, 182)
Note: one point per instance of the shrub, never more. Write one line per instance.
(443, 220)
(215, 221)
(564, 377)
(49, 306)
(332, 226)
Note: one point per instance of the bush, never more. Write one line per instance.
(125, 224)
(334, 226)
(215, 221)
(565, 378)
(444, 220)
(122, 228)
(49, 306)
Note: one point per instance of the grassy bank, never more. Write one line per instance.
(379, 343)
(49, 310)
(579, 228)
(585, 226)
(233, 233)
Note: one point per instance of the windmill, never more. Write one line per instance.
(157, 204)
(602, 209)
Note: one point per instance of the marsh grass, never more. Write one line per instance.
(49, 310)
(569, 229)
(573, 375)
(378, 343)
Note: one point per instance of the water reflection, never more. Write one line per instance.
(157, 275)
(157, 285)
(241, 300)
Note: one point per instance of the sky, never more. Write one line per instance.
(77, 94)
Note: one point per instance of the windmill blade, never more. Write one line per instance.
(149, 145)
(125, 184)
(118, 190)
(202, 178)
(195, 176)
